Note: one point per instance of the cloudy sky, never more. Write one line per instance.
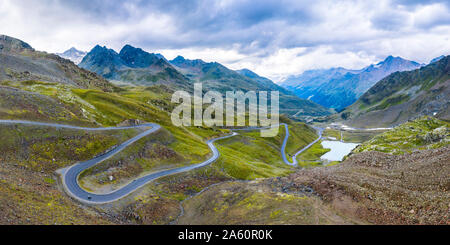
(273, 38)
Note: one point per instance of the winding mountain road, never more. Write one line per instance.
(294, 158)
(70, 174)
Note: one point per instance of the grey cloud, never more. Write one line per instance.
(390, 20)
(205, 22)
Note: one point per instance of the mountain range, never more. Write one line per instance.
(396, 98)
(20, 62)
(339, 87)
(403, 96)
(73, 54)
(138, 67)
(132, 65)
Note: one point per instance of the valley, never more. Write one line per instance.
(402, 96)
(339, 87)
(95, 144)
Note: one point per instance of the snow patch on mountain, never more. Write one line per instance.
(73, 54)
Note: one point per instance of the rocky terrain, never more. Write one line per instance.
(367, 188)
(20, 62)
(380, 188)
(257, 202)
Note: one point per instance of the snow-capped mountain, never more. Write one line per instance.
(340, 87)
(73, 54)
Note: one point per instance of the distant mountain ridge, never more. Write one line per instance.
(136, 66)
(20, 62)
(73, 54)
(402, 96)
(437, 59)
(339, 87)
(216, 76)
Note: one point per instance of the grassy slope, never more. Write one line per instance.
(311, 157)
(300, 135)
(20, 62)
(256, 203)
(110, 109)
(46, 150)
(246, 156)
(22, 202)
(422, 133)
(28, 184)
(359, 136)
(332, 133)
(250, 156)
(36, 102)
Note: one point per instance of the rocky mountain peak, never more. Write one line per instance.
(136, 57)
(437, 59)
(10, 44)
(180, 61)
